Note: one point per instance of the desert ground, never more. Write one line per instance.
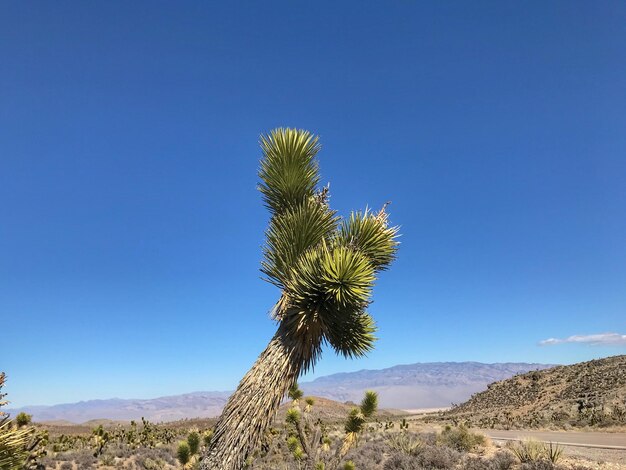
(389, 442)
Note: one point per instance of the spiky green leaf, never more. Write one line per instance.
(351, 335)
(370, 234)
(292, 443)
(294, 392)
(355, 421)
(293, 416)
(369, 404)
(291, 234)
(289, 171)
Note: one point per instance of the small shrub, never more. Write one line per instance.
(528, 450)
(461, 438)
(107, 460)
(401, 461)
(541, 464)
(84, 459)
(438, 457)
(472, 462)
(553, 452)
(151, 464)
(503, 460)
(428, 438)
(369, 456)
(407, 443)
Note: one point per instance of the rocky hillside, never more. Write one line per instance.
(586, 394)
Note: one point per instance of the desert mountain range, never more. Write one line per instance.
(411, 386)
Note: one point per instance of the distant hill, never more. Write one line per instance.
(331, 410)
(420, 385)
(587, 393)
(327, 410)
(171, 408)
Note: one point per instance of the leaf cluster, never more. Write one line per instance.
(358, 416)
(325, 266)
(18, 443)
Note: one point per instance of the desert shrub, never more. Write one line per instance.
(438, 457)
(472, 462)
(159, 453)
(401, 461)
(121, 452)
(66, 466)
(369, 455)
(540, 464)
(503, 460)
(553, 452)
(461, 438)
(528, 450)
(349, 465)
(500, 461)
(428, 438)
(152, 464)
(407, 443)
(107, 460)
(85, 459)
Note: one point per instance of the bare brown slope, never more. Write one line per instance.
(586, 394)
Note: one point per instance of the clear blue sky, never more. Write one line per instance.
(131, 224)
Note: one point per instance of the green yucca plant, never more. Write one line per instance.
(207, 436)
(23, 419)
(553, 452)
(528, 450)
(309, 438)
(355, 423)
(13, 439)
(325, 268)
(183, 453)
(193, 439)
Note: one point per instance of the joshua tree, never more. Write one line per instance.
(23, 419)
(310, 442)
(20, 445)
(325, 268)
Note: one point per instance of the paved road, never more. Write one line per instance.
(604, 440)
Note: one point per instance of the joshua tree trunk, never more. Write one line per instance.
(252, 407)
